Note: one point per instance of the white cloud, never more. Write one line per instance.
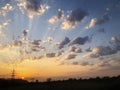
(4, 10)
(58, 17)
(98, 21)
(32, 7)
(73, 19)
(4, 24)
(70, 56)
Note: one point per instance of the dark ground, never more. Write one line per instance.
(105, 83)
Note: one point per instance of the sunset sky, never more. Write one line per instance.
(59, 38)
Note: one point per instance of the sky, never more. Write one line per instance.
(59, 38)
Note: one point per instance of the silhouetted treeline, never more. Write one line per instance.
(12, 82)
(104, 83)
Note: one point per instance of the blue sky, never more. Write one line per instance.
(73, 32)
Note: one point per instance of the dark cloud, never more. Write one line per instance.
(57, 17)
(115, 39)
(102, 30)
(105, 50)
(98, 21)
(72, 49)
(88, 50)
(82, 63)
(33, 7)
(85, 63)
(104, 64)
(64, 42)
(78, 50)
(75, 49)
(36, 42)
(25, 32)
(103, 19)
(59, 53)
(75, 63)
(75, 17)
(50, 55)
(115, 42)
(101, 51)
(80, 40)
(70, 56)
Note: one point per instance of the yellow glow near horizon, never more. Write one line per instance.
(46, 67)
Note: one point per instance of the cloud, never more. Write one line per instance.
(115, 41)
(80, 40)
(82, 63)
(110, 63)
(75, 50)
(64, 42)
(50, 39)
(70, 56)
(4, 24)
(57, 17)
(33, 7)
(36, 42)
(78, 50)
(4, 10)
(88, 50)
(50, 55)
(25, 32)
(101, 51)
(75, 63)
(73, 19)
(59, 53)
(85, 63)
(102, 30)
(98, 21)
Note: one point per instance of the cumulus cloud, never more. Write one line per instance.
(57, 17)
(98, 21)
(75, 50)
(49, 39)
(5, 9)
(70, 56)
(4, 24)
(115, 41)
(75, 63)
(80, 40)
(64, 42)
(73, 19)
(82, 63)
(102, 30)
(85, 63)
(110, 63)
(32, 7)
(36, 42)
(50, 55)
(78, 50)
(59, 53)
(88, 50)
(101, 51)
